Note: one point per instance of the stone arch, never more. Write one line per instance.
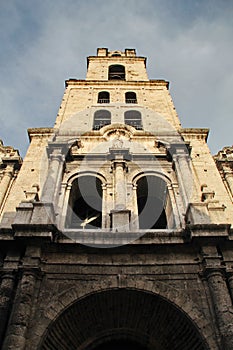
(158, 173)
(84, 207)
(154, 205)
(130, 97)
(147, 319)
(76, 174)
(102, 117)
(133, 117)
(103, 97)
(116, 72)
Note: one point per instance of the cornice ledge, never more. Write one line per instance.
(195, 133)
(35, 132)
(156, 82)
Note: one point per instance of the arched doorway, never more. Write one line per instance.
(115, 319)
(122, 344)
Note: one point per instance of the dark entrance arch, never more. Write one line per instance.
(122, 344)
(137, 319)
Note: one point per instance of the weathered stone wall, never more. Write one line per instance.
(32, 173)
(82, 95)
(58, 276)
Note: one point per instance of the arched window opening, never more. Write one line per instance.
(103, 97)
(152, 202)
(134, 118)
(116, 72)
(85, 203)
(130, 97)
(101, 118)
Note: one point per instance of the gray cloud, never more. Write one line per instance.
(188, 43)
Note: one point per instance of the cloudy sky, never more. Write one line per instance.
(187, 42)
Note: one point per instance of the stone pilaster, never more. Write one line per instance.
(21, 313)
(6, 294)
(224, 162)
(120, 214)
(222, 306)
(221, 300)
(7, 288)
(5, 182)
(181, 161)
(119, 167)
(230, 283)
(54, 175)
(228, 174)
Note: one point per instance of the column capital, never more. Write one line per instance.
(119, 163)
(175, 150)
(55, 149)
(9, 169)
(122, 154)
(8, 275)
(214, 271)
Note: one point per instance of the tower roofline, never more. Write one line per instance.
(103, 53)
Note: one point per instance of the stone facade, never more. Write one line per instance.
(116, 229)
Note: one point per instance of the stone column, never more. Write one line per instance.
(66, 209)
(183, 171)
(104, 210)
(7, 288)
(120, 214)
(230, 283)
(119, 167)
(56, 160)
(134, 213)
(5, 182)
(228, 174)
(6, 294)
(222, 306)
(21, 312)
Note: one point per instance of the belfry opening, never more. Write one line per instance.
(152, 200)
(85, 203)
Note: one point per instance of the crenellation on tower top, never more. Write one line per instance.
(134, 66)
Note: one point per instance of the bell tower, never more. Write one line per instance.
(116, 229)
